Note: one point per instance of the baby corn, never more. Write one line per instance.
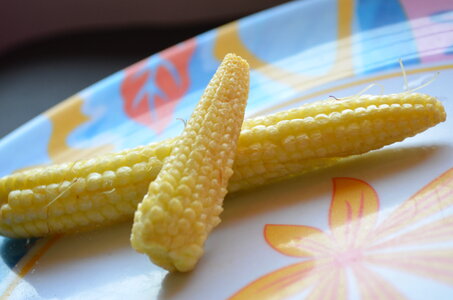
(87, 194)
(183, 204)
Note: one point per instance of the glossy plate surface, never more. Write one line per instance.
(402, 247)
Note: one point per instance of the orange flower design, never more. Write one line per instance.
(405, 240)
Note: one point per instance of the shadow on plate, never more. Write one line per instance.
(173, 284)
(373, 165)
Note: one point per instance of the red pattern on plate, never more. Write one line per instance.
(172, 78)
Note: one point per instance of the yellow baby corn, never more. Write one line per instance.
(77, 196)
(336, 128)
(183, 204)
(270, 147)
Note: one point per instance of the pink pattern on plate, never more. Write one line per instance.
(432, 25)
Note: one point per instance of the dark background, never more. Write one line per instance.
(45, 67)
(36, 76)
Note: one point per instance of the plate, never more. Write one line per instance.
(299, 52)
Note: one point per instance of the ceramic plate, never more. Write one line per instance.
(402, 195)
